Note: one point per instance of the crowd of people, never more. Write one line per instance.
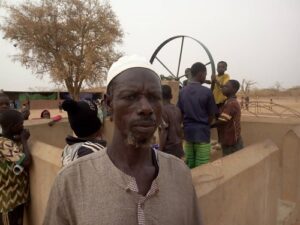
(133, 179)
(203, 108)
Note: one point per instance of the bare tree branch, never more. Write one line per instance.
(246, 86)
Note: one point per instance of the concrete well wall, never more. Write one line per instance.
(291, 168)
(55, 135)
(46, 162)
(242, 188)
(256, 129)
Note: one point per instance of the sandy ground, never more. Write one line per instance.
(282, 106)
(292, 102)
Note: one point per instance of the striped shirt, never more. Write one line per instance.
(74, 151)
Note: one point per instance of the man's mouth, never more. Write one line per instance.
(147, 126)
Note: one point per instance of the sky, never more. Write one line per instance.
(259, 39)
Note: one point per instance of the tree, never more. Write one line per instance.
(277, 86)
(72, 40)
(246, 86)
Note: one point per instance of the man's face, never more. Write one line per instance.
(221, 68)
(136, 105)
(227, 89)
(188, 73)
(46, 115)
(4, 103)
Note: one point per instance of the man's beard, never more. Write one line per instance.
(133, 141)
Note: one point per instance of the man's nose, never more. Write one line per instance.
(145, 107)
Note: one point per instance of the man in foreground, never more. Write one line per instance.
(129, 183)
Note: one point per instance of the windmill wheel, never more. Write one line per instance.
(176, 75)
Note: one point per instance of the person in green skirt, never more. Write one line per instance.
(198, 107)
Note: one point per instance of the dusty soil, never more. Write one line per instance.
(285, 106)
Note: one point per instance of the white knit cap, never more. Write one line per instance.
(127, 62)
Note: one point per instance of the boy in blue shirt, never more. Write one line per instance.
(198, 107)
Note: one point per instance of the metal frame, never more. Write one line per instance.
(279, 111)
(177, 77)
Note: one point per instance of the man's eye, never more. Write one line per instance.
(130, 97)
(154, 98)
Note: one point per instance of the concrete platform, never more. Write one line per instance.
(287, 213)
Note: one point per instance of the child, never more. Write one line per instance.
(86, 125)
(45, 114)
(198, 107)
(218, 82)
(25, 110)
(14, 161)
(170, 133)
(229, 121)
(4, 104)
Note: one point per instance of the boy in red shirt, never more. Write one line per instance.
(229, 121)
